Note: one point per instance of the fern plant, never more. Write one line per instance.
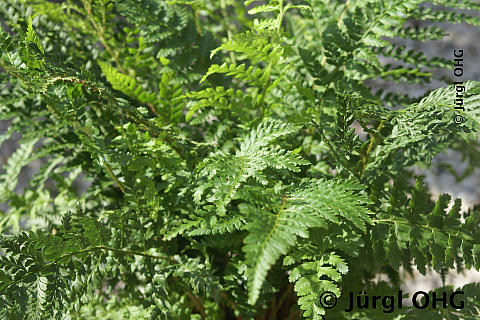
(235, 161)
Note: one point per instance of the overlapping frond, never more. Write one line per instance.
(223, 174)
(313, 204)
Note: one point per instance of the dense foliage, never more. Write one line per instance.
(236, 162)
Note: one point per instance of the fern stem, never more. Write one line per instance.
(226, 25)
(280, 16)
(154, 130)
(274, 228)
(430, 228)
(101, 34)
(114, 177)
(198, 304)
(377, 19)
(125, 252)
(280, 302)
(198, 24)
(270, 63)
(264, 93)
(334, 154)
(295, 314)
(235, 182)
(371, 145)
(73, 80)
(345, 9)
(88, 250)
(233, 304)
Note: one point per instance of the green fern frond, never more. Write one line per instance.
(226, 173)
(257, 46)
(31, 36)
(218, 97)
(436, 15)
(9, 177)
(126, 84)
(251, 75)
(435, 113)
(426, 231)
(310, 205)
(421, 33)
(388, 15)
(310, 282)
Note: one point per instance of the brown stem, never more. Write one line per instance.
(282, 299)
(270, 315)
(152, 107)
(295, 314)
(233, 304)
(198, 304)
